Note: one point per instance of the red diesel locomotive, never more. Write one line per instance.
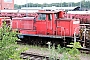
(48, 26)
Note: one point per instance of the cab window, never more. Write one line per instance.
(42, 17)
(49, 16)
(56, 15)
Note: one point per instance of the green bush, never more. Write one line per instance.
(7, 41)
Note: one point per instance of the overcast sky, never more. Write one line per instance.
(43, 1)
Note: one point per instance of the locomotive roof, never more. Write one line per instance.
(19, 11)
(24, 18)
(46, 12)
(78, 12)
(67, 19)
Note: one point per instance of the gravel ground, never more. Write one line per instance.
(85, 57)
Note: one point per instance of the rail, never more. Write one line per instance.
(84, 24)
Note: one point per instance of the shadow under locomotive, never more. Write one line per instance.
(44, 39)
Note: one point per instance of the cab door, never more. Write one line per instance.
(49, 24)
(41, 24)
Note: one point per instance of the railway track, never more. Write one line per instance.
(31, 56)
(82, 50)
(37, 55)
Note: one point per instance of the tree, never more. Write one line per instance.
(16, 6)
(84, 4)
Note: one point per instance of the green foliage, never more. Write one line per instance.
(53, 54)
(61, 50)
(64, 57)
(7, 39)
(67, 53)
(74, 52)
(16, 55)
(6, 52)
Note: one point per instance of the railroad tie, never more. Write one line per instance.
(38, 58)
(32, 58)
(25, 57)
(21, 56)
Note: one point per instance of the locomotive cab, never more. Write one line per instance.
(45, 23)
(54, 23)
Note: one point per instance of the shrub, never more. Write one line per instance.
(7, 39)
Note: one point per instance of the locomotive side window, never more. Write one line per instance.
(49, 16)
(42, 17)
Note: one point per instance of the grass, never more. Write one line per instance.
(63, 53)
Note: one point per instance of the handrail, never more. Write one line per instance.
(83, 32)
(75, 33)
(62, 29)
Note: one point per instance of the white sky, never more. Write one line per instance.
(43, 1)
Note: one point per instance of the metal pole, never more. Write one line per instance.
(61, 4)
(26, 3)
(26, 7)
(80, 5)
(74, 37)
(84, 36)
(68, 4)
(21, 4)
(71, 4)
